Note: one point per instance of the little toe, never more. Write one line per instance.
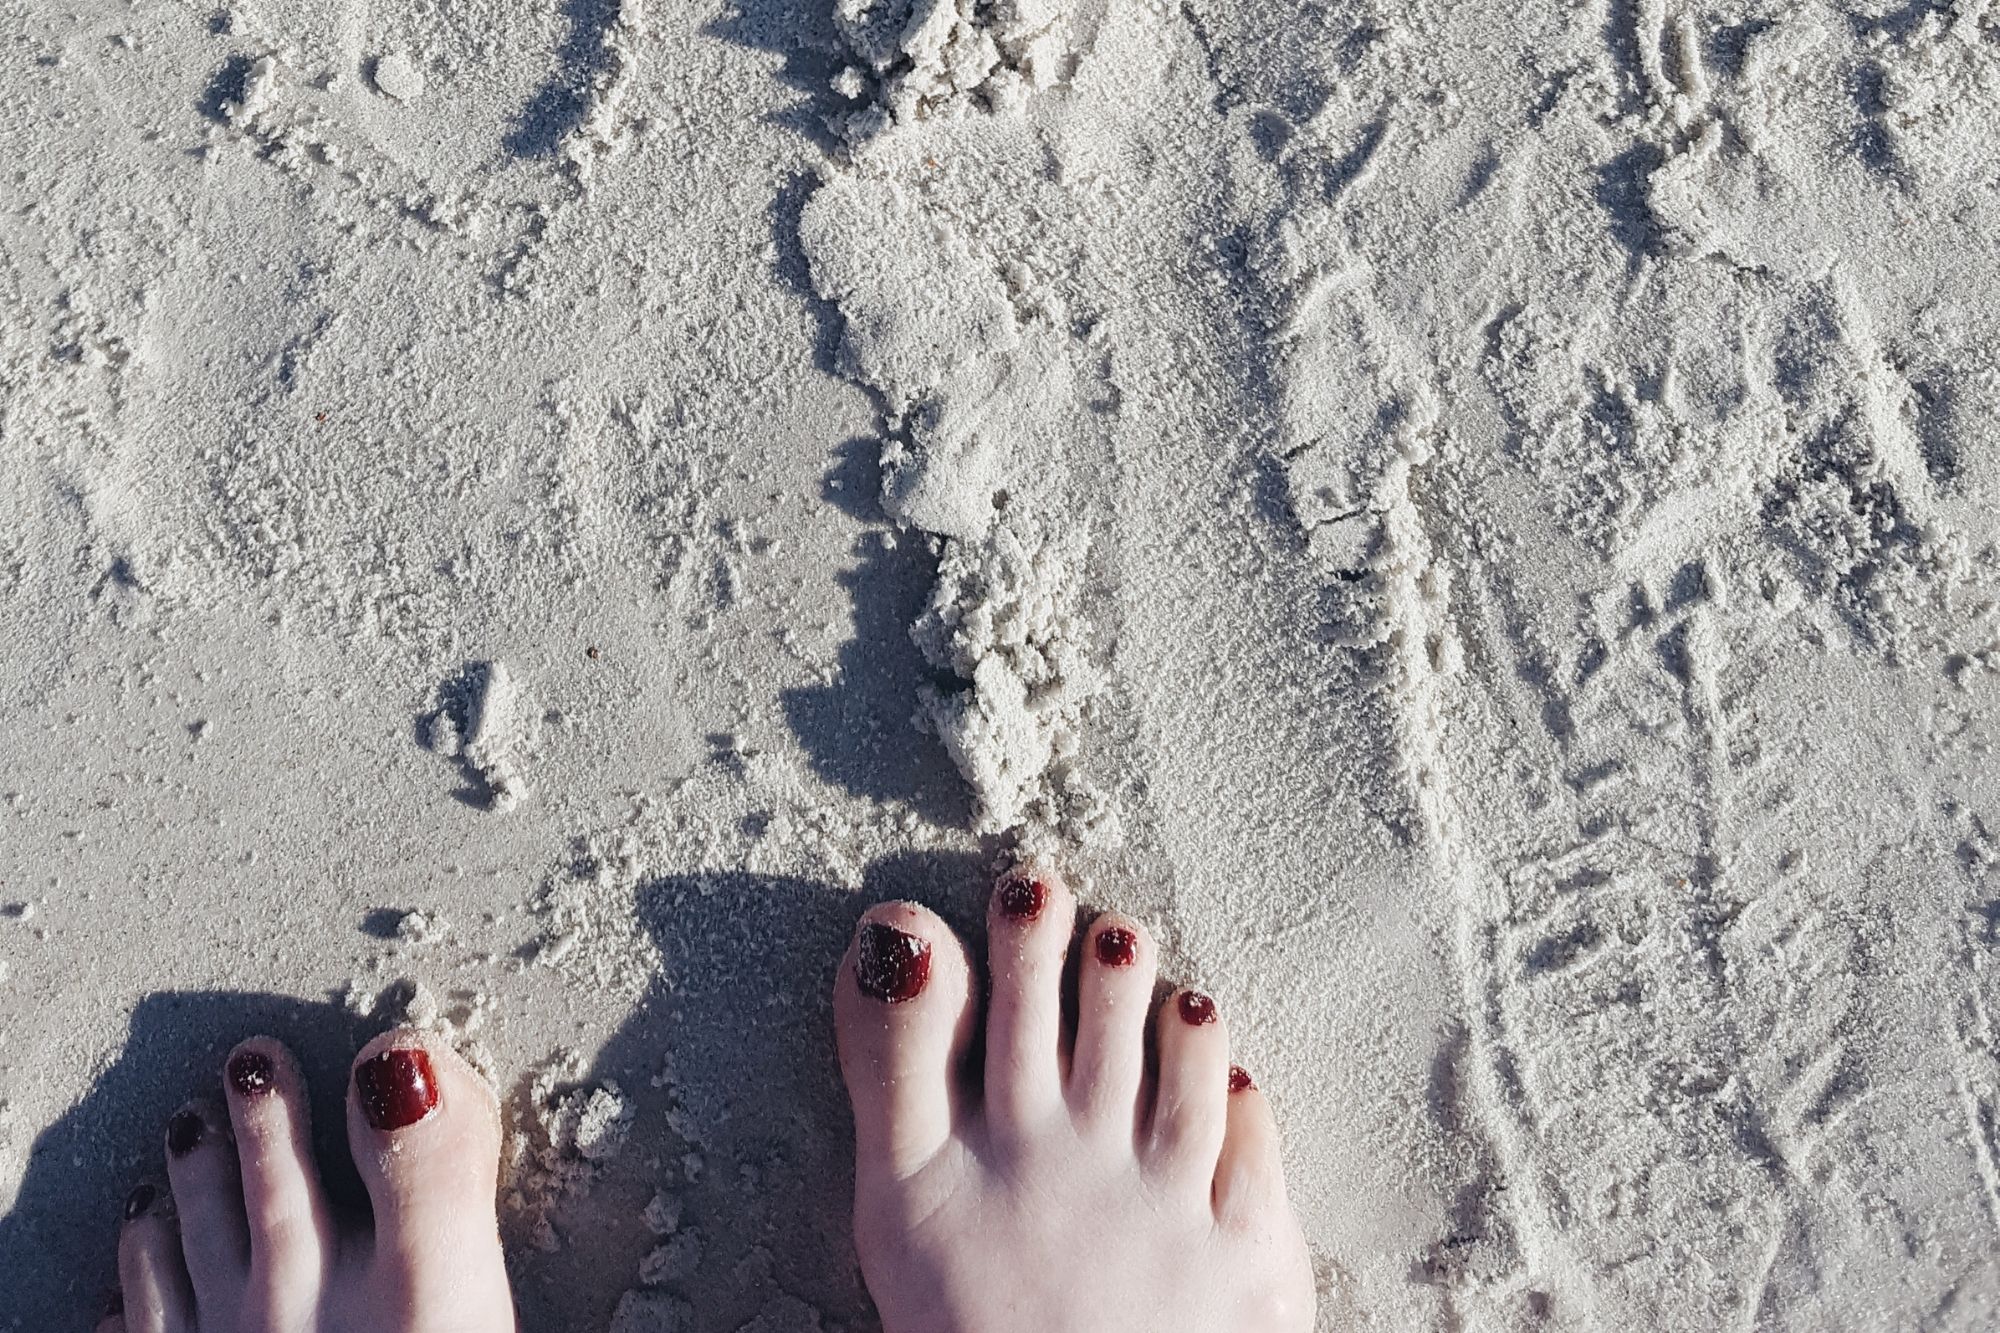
(1114, 1001)
(903, 1017)
(290, 1230)
(1029, 924)
(1191, 1100)
(208, 1194)
(1249, 1174)
(152, 1282)
(113, 1318)
(424, 1129)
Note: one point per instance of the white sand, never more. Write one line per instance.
(1476, 521)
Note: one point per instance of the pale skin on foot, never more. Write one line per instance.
(250, 1245)
(1063, 1189)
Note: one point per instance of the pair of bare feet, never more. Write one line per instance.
(1074, 1183)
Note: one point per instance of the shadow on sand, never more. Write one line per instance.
(858, 729)
(727, 1062)
(56, 1245)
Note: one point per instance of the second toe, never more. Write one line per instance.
(289, 1229)
(1114, 1003)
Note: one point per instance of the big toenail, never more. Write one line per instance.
(252, 1073)
(1197, 1010)
(139, 1200)
(1239, 1079)
(114, 1303)
(398, 1088)
(1117, 947)
(184, 1133)
(891, 965)
(1023, 897)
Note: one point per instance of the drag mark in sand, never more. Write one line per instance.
(481, 724)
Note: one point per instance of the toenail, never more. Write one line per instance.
(1022, 897)
(1117, 947)
(1239, 1079)
(139, 1200)
(252, 1073)
(1197, 1010)
(114, 1303)
(184, 1133)
(891, 965)
(398, 1088)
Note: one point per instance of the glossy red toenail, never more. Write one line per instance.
(139, 1200)
(184, 1133)
(1117, 947)
(1197, 1010)
(1239, 1079)
(1023, 897)
(252, 1074)
(114, 1303)
(398, 1088)
(890, 964)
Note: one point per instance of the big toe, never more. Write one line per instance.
(424, 1129)
(903, 1014)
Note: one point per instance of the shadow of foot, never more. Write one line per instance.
(57, 1242)
(727, 1066)
(738, 1118)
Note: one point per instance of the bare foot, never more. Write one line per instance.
(248, 1244)
(1068, 1190)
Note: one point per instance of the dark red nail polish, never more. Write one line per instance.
(1022, 897)
(1197, 1010)
(398, 1088)
(1117, 947)
(139, 1200)
(114, 1303)
(890, 964)
(252, 1074)
(185, 1133)
(1239, 1078)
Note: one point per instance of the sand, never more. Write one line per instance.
(1477, 522)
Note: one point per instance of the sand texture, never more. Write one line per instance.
(1476, 521)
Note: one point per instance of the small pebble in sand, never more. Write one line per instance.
(675, 1261)
(397, 77)
(663, 1215)
(418, 928)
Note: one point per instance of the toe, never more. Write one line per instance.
(1114, 1000)
(424, 1129)
(208, 1194)
(1249, 1176)
(903, 1016)
(113, 1318)
(1191, 1101)
(152, 1282)
(1029, 924)
(290, 1232)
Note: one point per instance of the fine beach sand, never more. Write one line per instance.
(1477, 522)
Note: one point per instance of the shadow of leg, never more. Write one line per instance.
(737, 1114)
